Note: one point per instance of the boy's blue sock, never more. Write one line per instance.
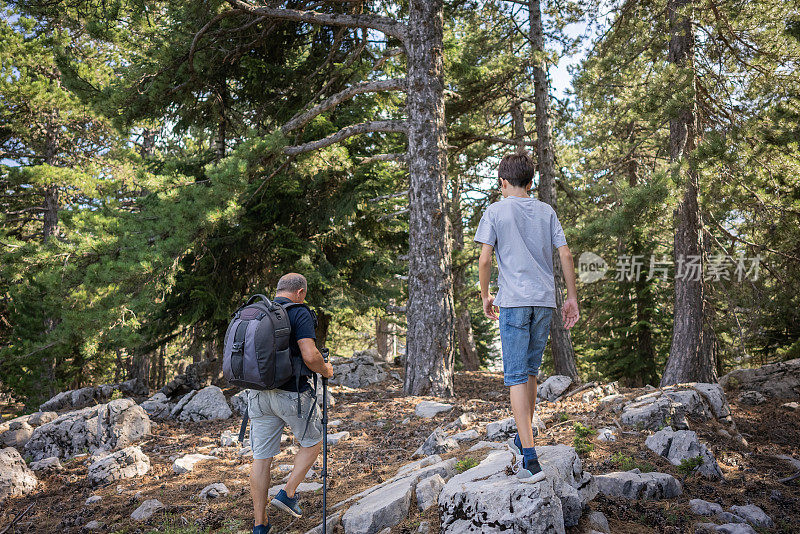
(529, 454)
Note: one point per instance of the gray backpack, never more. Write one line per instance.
(256, 353)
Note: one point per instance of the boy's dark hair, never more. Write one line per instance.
(517, 168)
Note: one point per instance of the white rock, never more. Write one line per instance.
(147, 509)
(382, 508)
(653, 413)
(635, 485)
(227, 439)
(462, 421)
(334, 439)
(701, 507)
(505, 428)
(429, 409)
(680, 445)
(207, 404)
(212, 491)
(424, 527)
(157, 406)
(428, 491)
(438, 442)
(753, 515)
(93, 499)
(360, 372)
(495, 502)
(16, 479)
(553, 387)
(606, 434)
(333, 520)
(599, 522)
(128, 463)
(238, 402)
(111, 426)
(187, 463)
(303, 487)
(335, 422)
(487, 445)
(794, 406)
(93, 525)
(467, 435)
(777, 380)
(51, 464)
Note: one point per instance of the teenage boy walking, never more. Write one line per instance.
(522, 231)
(271, 409)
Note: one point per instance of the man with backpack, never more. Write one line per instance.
(293, 403)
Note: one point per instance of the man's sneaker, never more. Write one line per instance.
(288, 505)
(515, 444)
(261, 529)
(531, 471)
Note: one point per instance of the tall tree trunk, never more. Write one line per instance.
(49, 229)
(431, 342)
(323, 324)
(688, 361)
(382, 337)
(560, 338)
(466, 340)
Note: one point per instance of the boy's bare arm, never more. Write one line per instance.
(569, 312)
(484, 273)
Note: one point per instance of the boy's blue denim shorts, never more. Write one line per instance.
(523, 336)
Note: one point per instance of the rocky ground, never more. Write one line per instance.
(746, 457)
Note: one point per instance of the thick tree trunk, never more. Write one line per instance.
(431, 342)
(560, 338)
(689, 357)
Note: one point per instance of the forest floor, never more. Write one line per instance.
(380, 443)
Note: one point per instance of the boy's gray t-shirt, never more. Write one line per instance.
(523, 232)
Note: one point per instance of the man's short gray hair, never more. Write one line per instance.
(291, 283)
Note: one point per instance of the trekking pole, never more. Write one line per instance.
(325, 353)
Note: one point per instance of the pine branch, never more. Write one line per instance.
(301, 119)
(385, 25)
(348, 131)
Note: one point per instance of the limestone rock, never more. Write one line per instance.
(670, 406)
(333, 520)
(360, 372)
(467, 435)
(16, 479)
(505, 428)
(93, 525)
(147, 509)
(17, 435)
(653, 413)
(207, 404)
(636, 485)
(606, 434)
(128, 463)
(753, 398)
(48, 465)
(109, 426)
(238, 402)
(93, 500)
(196, 376)
(598, 522)
(430, 409)
(186, 463)
(793, 406)
(157, 406)
(553, 387)
(701, 507)
(495, 502)
(573, 486)
(335, 438)
(753, 515)
(382, 508)
(428, 491)
(680, 445)
(80, 398)
(212, 491)
(227, 439)
(462, 421)
(777, 380)
(487, 445)
(437, 443)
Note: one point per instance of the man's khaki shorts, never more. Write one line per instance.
(271, 409)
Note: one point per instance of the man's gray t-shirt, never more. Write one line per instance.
(523, 232)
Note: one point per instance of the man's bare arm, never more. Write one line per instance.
(569, 312)
(313, 358)
(484, 273)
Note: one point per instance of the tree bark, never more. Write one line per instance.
(689, 357)
(431, 342)
(323, 325)
(382, 339)
(560, 338)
